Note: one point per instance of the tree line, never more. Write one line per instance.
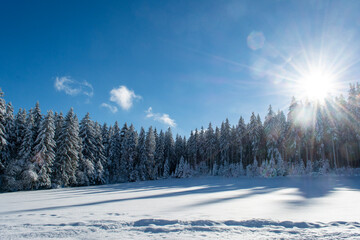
(45, 151)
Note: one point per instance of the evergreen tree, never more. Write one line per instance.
(179, 148)
(105, 134)
(3, 141)
(114, 154)
(89, 150)
(128, 155)
(11, 181)
(100, 158)
(225, 142)
(59, 124)
(150, 146)
(166, 173)
(201, 146)
(142, 156)
(240, 140)
(28, 176)
(210, 146)
(183, 170)
(69, 151)
(169, 151)
(253, 130)
(262, 144)
(45, 151)
(271, 132)
(293, 130)
(159, 153)
(36, 112)
(281, 143)
(217, 146)
(8, 153)
(192, 148)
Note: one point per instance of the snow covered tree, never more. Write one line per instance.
(36, 112)
(293, 132)
(281, 166)
(13, 168)
(142, 156)
(325, 167)
(44, 152)
(268, 168)
(225, 142)
(183, 170)
(3, 141)
(166, 173)
(345, 130)
(69, 151)
(332, 131)
(319, 134)
(309, 168)
(179, 148)
(59, 124)
(254, 134)
(85, 169)
(114, 154)
(201, 144)
(8, 152)
(28, 175)
(192, 148)
(282, 128)
(150, 145)
(271, 133)
(128, 155)
(105, 135)
(159, 152)
(210, 146)
(169, 151)
(297, 168)
(240, 140)
(180, 168)
(100, 158)
(89, 150)
(253, 170)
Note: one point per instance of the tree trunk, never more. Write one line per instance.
(334, 156)
(347, 155)
(307, 153)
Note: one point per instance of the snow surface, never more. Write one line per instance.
(200, 208)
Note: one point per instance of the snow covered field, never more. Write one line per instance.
(204, 208)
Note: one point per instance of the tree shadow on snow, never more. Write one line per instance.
(306, 187)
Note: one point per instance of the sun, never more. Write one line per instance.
(316, 84)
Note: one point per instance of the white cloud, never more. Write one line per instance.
(123, 97)
(163, 118)
(73, 87)
(112, 109)
(149, 113)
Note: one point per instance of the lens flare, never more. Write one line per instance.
(317, 84)
(256, 40)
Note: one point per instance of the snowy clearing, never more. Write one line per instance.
(204, 208)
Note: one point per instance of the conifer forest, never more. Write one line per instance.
(49, 150)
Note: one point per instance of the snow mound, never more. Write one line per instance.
(178, 229)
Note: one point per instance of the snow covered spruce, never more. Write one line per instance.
(48, 151)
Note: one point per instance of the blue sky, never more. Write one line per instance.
(177, 63)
